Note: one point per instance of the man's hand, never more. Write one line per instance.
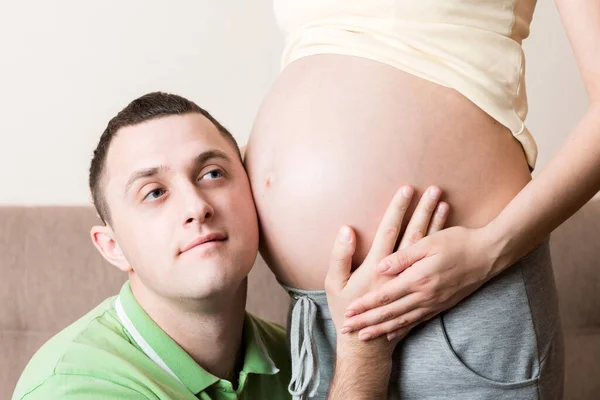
(362, 368)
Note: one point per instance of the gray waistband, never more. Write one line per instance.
(317, 297)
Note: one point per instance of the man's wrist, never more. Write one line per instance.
(363, 362)
(360, 377)
(362, 370)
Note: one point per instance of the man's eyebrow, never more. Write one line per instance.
(144, 173)
(210, 154)
(152, 171)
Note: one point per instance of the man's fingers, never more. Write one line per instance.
(340, 265)
(391, 223)
(439, 218)
(421, 218)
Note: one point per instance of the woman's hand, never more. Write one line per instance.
(430, 276)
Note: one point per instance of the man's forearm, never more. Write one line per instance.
(359, 375)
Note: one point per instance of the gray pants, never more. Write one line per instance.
(502, 342)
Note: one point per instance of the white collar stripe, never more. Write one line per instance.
(137, 337)
(263, 349)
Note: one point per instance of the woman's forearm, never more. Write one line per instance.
(570, 180)
(573, 176)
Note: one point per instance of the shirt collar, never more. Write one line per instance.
(162, 349)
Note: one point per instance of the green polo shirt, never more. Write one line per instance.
(116, 351)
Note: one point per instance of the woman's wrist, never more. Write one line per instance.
(499, 244)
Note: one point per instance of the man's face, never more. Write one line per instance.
(181, 207)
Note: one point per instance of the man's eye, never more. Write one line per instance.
(153, 195)
(214, 174)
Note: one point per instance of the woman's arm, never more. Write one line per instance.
(450, 265)
(573, 175)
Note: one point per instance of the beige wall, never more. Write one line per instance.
(67, 66)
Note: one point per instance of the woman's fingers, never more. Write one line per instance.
(421, 218)
(393, 290)
(390, 225)
(403, 322)
(400, 333)
(381, 314)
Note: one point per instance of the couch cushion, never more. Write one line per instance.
(575, 247)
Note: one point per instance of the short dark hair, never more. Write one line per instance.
(148, 107)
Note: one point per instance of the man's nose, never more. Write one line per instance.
(197, 209)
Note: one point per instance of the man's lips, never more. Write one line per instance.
(211, 237)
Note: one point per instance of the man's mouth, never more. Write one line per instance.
(204, 240)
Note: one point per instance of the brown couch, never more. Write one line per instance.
(51, 275)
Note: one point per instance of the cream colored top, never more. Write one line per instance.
(472, 46)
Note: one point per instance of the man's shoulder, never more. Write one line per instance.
(270, 332)
(75, 349)
(274, 338)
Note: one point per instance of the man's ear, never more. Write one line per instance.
(106, 243)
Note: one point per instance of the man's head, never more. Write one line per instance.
(168, 181)
(145, 108)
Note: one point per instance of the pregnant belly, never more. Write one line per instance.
(335, 138)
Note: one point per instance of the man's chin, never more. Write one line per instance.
(217, 295)
(208, 280)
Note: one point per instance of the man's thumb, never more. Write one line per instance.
(340, 265)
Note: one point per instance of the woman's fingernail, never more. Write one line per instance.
(434, 193)
(345, 234)
(350, 313)
(345, 329)
(392, 336)
(407, 192)
(364, 336)
(383, 266)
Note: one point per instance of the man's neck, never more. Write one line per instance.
(210, 333)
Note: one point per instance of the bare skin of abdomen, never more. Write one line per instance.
(337, 136)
